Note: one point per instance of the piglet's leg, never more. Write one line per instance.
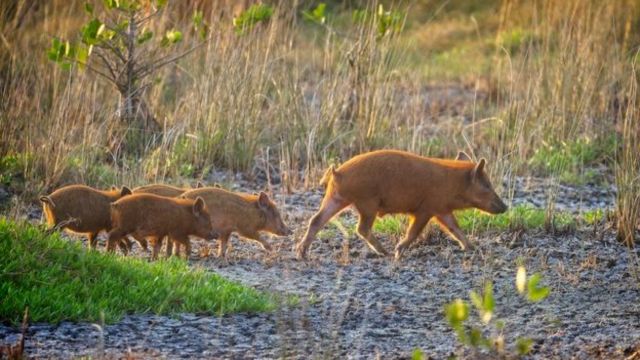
(265, 245)
(331, 205)
(450, 225)
(156, 242)
(170, 245)
(115, 236)
(418, 222)
(222, 247)
(93, 240)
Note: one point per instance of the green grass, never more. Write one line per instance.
(473, 220)
(60, 280)
(569, 159)
(521, 216)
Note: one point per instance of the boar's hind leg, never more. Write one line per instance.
(418, 222)
(364, 230)
(330, 207)
(450, 225)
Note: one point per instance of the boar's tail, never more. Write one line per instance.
(331, 173)
(47, 200)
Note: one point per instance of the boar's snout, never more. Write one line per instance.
(498, 206)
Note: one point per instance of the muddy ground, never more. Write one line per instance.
(357, 305)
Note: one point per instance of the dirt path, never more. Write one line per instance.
(356, 305)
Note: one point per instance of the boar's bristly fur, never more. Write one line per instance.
(389, 181)
(242, 213)
(82, 209)
(154, 217)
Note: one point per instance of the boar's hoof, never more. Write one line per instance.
(301, 252)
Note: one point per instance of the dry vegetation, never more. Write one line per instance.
(512, 81)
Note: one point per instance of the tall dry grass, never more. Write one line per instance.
(291, 97)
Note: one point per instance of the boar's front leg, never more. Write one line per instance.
(331, 205)
(418, 222)
(450, 225)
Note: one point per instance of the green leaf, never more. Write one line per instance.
(88, 8)
(317, 15)
(56, 51)
(485, 303)
(171, 37)
(255, 14)
(144, 37)
(457, 312)
(110, 4)
(82, 54)
(523, 345)
(161, 3)
(535, 292)
(417, 354)
(475, 337)
(489, 302)
(91, 31)
(197, 18)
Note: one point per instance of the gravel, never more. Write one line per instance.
(357, 305)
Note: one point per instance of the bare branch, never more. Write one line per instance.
(146, 70)
(107, 64)
(145, 19)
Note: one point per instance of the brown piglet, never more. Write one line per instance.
(82, 209)
(161, 190)
(242, 213)
(388, 181)
(154, 217)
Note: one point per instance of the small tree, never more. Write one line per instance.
(118, 45)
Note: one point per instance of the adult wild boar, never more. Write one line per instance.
(152, 216)
(242, 213)
(388, 181)
(82, 209)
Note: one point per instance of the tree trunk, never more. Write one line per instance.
(142, 131)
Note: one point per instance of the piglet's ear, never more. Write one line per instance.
(125, 191)
(477, 170)
(263, 200)
(462, 156)
(198, 206)
(199, 185)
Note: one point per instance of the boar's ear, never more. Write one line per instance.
(198, 206)
(125, 191)
(217, 185)
(477, 170)
(199, 184)
(462, 156)
(263, 200)
(114, 188)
